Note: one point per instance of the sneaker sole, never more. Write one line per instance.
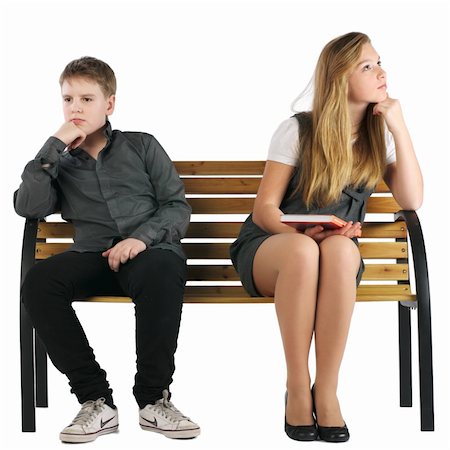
(80, 438)
(173, 434)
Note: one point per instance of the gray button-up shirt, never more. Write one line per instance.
(131, 190)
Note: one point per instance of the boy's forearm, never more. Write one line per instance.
(36, 196)
(169, 225)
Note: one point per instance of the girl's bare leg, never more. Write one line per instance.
(339, 264)
(287, 266)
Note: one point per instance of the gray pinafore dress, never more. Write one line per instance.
(351, 206)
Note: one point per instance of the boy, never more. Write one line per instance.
(126, 201)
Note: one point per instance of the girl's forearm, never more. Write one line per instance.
(267, 217)
(406, 182)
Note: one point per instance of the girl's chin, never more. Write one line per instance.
(379, 98)
(383, 96)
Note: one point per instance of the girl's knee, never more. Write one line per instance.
(339, 249)
(300, 251)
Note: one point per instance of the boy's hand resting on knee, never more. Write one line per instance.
(318, 233)
(123, 251)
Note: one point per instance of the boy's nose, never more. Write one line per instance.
(76, 107)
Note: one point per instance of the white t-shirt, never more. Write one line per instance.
(284, 146)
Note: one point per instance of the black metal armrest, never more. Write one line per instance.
(418, 254)
(424, 318)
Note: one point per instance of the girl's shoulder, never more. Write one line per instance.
(284, 145)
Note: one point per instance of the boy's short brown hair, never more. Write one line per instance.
(92, 69)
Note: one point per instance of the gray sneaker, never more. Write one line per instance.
(164, 418)
(94, 419)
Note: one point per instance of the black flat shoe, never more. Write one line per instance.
(330, 434)
(300, 432)
(333, 434)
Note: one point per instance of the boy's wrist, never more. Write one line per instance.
(50, 151)
(60, 141)
(61, 138)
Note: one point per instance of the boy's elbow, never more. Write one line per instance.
(29, 211)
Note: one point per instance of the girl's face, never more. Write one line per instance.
(367, 82)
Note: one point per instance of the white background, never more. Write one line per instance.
(212, 80)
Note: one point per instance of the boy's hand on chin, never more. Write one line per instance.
(71, 135)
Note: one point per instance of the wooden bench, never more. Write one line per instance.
(221, 190)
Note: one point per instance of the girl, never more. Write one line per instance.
(326, 161)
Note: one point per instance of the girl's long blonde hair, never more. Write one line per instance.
(328, 160)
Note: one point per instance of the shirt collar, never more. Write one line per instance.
(108, 130)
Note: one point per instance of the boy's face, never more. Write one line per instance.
(85, 104)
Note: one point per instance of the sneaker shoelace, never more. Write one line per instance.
(89, 411)
(167, 409)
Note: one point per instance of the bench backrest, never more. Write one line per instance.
(221, 194)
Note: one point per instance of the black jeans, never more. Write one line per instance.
(154, 279)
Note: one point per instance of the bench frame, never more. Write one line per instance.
(34, 387)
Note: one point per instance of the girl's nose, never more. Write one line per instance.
(381, 73)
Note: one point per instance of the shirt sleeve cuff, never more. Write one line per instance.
(51, 151)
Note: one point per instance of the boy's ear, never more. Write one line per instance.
(111, 102)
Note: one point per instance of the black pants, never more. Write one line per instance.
(154, 279)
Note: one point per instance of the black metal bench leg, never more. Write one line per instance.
(404, 335)
(425, 366)
(27, 371)
(41, 373)
(424, 319)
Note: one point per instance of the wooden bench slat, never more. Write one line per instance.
(384, 230)
(368, 250)
(221, 205)
(241, 185)
(53, 230)
(385, 272)
(237, 294)
(231, 230)
(213, 229)
(245, 205)
(382, 205)
(221, 185)
(227, 230)
(384, 250)
(219, 167)
(238, 168)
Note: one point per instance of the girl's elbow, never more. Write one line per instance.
(255, 218)
(412, 205)
(417, 205)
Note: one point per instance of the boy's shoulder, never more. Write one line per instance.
(133, 134)
(136, 138)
